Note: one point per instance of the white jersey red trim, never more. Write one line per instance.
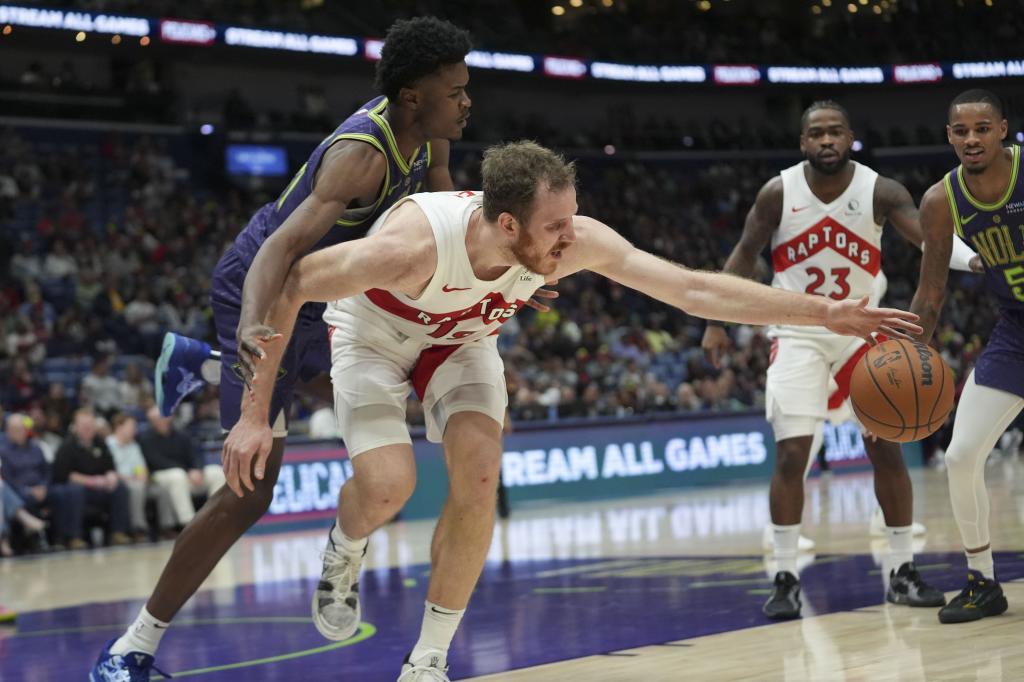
(829, 249)
(455, 307)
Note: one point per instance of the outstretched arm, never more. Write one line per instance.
(937, 222)
(721, 296)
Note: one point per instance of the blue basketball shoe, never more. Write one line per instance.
(179, 370)
(132, 667)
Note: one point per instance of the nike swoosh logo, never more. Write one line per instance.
(964, 221)
(443, 613)
(447, 289)
(159, 627)
(794, 209)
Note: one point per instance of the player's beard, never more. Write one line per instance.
(524, 250)
(830, 168)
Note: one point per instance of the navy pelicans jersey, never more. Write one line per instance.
(403, 177)
(996, 231)
(826, 249)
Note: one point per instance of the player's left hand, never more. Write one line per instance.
(247, 439)
(543, 293)
(854, 317)
(975, 264)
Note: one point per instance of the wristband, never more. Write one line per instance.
(961, 257)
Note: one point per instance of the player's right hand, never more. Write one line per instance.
(854, 317)
(249, 350)
(248, 439)
(715, 342)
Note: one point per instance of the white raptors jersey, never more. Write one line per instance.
(455, 307)
(826, 249)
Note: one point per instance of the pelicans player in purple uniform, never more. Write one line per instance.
(982, 201)
(393, 146)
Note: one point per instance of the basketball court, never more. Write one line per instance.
(658, 587)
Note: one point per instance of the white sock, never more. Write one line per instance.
(439, 626)
(344, 543)
(787, 542)
(982, 562)
(142, 635)
(901, 544)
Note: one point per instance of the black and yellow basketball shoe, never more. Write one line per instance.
(980, 599)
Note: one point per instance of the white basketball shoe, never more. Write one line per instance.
(336, 610)
(431, 667)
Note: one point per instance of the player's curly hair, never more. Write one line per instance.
(512, 173)
(414, 48)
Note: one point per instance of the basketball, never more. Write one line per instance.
(902, 390)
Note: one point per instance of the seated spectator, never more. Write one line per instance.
(132, 470)
(35, 306)
(83, 461)
(50, 434)
(99, 390)
(26, 265)
(176, 465)
(56, 403)
(136, 390)
(59, 264)
(687, 399)
(27, 472)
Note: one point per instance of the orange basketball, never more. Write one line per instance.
(902, 390)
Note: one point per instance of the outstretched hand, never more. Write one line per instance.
(854, 317)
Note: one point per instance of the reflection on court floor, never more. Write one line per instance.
(524, 613)
(630, 589)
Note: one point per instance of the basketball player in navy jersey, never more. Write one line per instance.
(394, 145)
(824, 220)
(981, 201)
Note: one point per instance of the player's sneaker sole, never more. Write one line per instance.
(329, 631)
(178, 371)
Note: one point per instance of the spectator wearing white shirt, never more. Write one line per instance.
(132, 470)
(99, 389)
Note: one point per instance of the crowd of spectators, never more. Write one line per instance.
(96, 485)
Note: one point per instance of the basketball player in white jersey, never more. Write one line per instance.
(824, 220)
(417, 303)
